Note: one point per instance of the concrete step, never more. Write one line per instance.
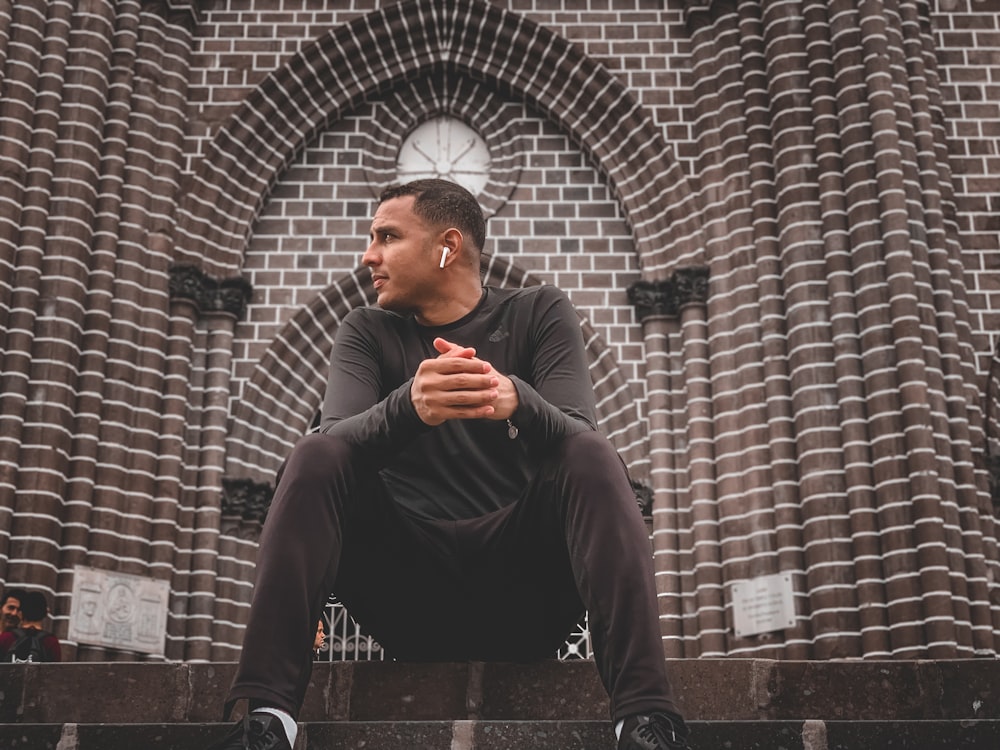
(736, 704)
(521, 735)
(707, 690)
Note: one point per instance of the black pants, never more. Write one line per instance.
(507, 586)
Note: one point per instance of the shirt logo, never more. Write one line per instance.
(499, 335)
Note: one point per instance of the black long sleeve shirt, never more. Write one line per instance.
(461, 468)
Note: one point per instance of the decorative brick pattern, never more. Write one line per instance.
(97, 96)
(816, 408)
(836, 310)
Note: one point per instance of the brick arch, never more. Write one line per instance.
(286, 388)
(403, 41)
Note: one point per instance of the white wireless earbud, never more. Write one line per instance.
(444, 254)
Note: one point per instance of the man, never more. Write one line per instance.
(10, 609)
(29, 642)
(458, 498)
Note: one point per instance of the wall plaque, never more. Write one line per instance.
(118, 610)
(763, 604)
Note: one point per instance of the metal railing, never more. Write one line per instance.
(345, 640)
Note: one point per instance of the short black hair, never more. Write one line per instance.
(13, 593)
(34, 606)
(443, 203)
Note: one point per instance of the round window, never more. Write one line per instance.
(447, 148)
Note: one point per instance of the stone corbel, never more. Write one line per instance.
(246, 499)
(666, 297)
(691, 285)
(209, 295)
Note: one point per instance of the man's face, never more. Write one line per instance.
(403, 256)
(10, 613)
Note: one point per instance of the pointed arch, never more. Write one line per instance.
(403, 41)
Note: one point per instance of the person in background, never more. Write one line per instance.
(30, 642)
(320, 640)
(10, 608)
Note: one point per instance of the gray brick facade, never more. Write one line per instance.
(777, 220)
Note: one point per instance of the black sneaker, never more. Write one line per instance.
(255, 732)
(657, 731)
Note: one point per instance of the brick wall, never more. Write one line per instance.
(693, 144)
(648, 46)
(968, 42)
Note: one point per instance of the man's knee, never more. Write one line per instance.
(590, 462)
(588, 451)
(317, 455)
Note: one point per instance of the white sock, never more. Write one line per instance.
(618, 729)
(287, 722)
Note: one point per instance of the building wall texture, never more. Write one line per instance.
(778, 221)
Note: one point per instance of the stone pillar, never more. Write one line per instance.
(658, 304)
(222, 304)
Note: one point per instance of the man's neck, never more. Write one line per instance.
(454, 306)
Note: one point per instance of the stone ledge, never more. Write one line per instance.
(520, 735)
(708, 689)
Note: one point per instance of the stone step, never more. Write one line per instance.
(707, 690)
(521, 735)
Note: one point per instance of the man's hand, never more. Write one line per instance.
(458, 385)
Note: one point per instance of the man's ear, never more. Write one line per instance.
(452, 239)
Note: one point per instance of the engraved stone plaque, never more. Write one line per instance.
(763, 604)
(118, 610)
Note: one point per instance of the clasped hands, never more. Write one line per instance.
(458, 385)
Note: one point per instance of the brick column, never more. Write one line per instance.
(847, 354)
(907, 330)
(798, 337)
(223, 304)
(127, 309)
(685, 533)
(30, 90)
(167, 29)
(656, 309)
(194, 426)
(6, 16)
(24, 26)
(95, 329)
(51, 424)
(952, 374)
(754, 447)
(708, 626)
(172, 519)
(145, 252)
(96, 131)
(56, 220)
(839, 303)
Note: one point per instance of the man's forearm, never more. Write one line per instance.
(384, 428)
(539, 421)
